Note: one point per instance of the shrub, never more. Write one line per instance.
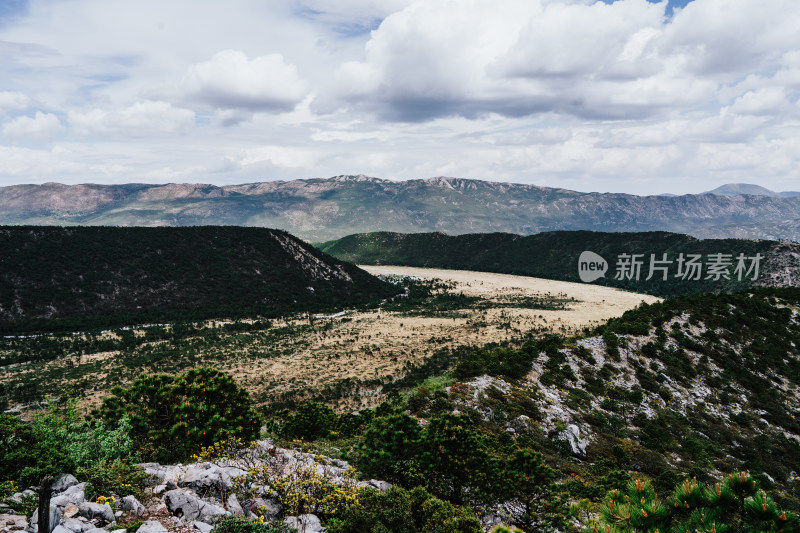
(172, 417)
(402, 511)
(390, 449)
(454, 458)
(304, 490)
(310, 421)
(530, 483)
(234, 524)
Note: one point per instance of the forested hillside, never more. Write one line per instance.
(555, 255)
(63, 277)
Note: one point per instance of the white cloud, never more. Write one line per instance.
(229, 80)
(40, 127)
(592, 60)
(13, 101)
(140, 119)
(574, 93)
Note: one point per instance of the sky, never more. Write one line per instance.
(635, 96)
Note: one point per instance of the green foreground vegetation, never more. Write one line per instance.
(655, 461)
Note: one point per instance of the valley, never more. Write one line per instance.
(340, 358)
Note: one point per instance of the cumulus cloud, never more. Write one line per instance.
(40, 127)
(13, 101)
(229, 80)
(140, 119)
(592, 60)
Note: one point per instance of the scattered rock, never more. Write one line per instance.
(61, 529)
(151, 526)
(73, 495)
(190, 507)
(19, 497)
(205, 477)
(63, 482)
(267, 508)
(305, 523)
(130, 503)
(96, 510)
(117, 514)
(75, 525)
(573, 436)
(233, 506)
(382, 486)
(202, 527)
(13, 522)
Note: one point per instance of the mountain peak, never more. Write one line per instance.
(735, 189)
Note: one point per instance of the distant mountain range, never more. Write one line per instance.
(324, 209)
(68, 277)
(556, 255)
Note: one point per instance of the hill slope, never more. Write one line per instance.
(554, 255)
(105, 275)
(323, 209)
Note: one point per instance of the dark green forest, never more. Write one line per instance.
(54, 278)
(554, 255)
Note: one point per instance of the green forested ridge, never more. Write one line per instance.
(61, 278)
(554, 255)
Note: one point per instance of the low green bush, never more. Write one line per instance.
(172, 417)
(403, 511)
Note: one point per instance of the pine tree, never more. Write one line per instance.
(529, 482)
(454, 458)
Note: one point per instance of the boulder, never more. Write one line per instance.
(268, 508)
(233, 506)
(205, 477)
(61, 529)
(73, 495)
(202, 527)
(70, 511)
(130, 503)
(55, 518)
(13, 522)
(19, 497)
(63, 482)
(94, 529)
(93, 510)
(190, 507)
(305, 523)
(76, 526)
(573, 436)
(382, 486)
(151, 526)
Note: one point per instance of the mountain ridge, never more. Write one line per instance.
(324, 209)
